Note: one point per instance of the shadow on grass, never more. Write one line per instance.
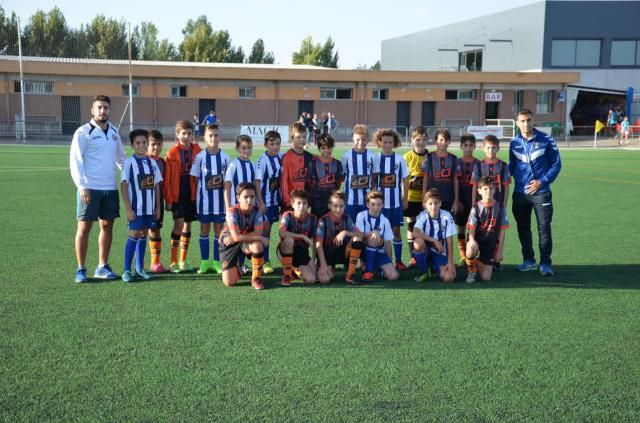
(624, 276)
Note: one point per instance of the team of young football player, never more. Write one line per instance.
(358, 228)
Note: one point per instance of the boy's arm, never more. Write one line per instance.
(405, 192)
(227, 194)
(284, 183)
(449, 242)
(158, 203)
(320, 253)
(388, 249)
(259, 200)
(124, 192)
(506, 195)
(76, 160)
(500, 250)
(456, 195)
(474, 193)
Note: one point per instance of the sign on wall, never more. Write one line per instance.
(256, 132)
(493, 97)
(482, 131)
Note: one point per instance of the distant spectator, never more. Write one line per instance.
(210, 119)
(624, 129)
(317, 127)
(307, 121)
(197, 128)
(332, 124)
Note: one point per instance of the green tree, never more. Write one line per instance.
(202, 44)
(258, 54)
(376, 66)
(77, 43)
(316, 54)
(8, 34)
(108, 39)
(46, 34)
(149, 47)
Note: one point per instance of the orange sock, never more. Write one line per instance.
(175, 244)
(184, 246)
(287, 261)
(155, 246)
(257, 261)
(471, 265)
(462, 247)
(354, 258)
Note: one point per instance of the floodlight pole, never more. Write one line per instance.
(130, 85)
(24, 123)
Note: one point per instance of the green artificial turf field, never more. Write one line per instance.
(186, 348)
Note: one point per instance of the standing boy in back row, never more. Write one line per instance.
(358, 167)
(295, 164)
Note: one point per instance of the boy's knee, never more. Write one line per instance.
(419, 245)
(287, 243)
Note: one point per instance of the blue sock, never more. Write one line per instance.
(421, 261)
(204, 247)
(216, 249)
(397, 249)
(129, 251)
(266, 254)
(369, 259)
(241, 260)
(141, 247)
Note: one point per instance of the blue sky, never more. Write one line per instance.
(357, 27)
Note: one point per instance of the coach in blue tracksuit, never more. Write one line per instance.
(534, 162)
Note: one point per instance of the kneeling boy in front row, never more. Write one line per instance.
(487, 224)
(337, 241)
(242, 235)
(297, 229)
(377, 239)
(433, 235)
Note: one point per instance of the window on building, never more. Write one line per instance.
(336, 93)
(178, 91)
(460, 94)
(380, 94)
(625, 53)
(247, 92)
(34, 87)
(544, 102)
(575, 53)
(135, 88)
(471, 60)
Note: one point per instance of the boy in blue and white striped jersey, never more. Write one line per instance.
(140, 190)
(358, 169)
(267, 182)
(209, 170)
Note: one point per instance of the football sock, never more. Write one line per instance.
(266, 254)
(185, 238)
(369, 259)
(129, 252)
(354, 256)
(421, 261)
(462, 244)
(216, 249)
(241, 261)
(175, 244)
(471, 265)
(397, 249)
(287, 261)
(204, 247)
(141, 247)
(257, 260)
(155, 246)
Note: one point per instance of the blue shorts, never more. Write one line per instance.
(380, 259)
(141, 222)
(352, 211)
(395, 216)
(436, 260)
(273, 214)
(103, 205)
(211, 218)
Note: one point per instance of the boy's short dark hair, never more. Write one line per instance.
(244, 186)
(374, 195)
(524, 112)
(386, 132)
(271, 136)
(467, 137)
(419, 131)
(491, 139)
(299, 194)
(101, 97)
(243, 138)
(297, 127)
(138, 133)
(485, 181)
(156, 135)
(211, 127)
(338, 195)
(326, 140)
(445, 134)
(183, 124)
(431, 194)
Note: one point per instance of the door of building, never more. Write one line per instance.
(204, 106)
(428, 113)
(70, 114)
(305, 106)
(491, 109)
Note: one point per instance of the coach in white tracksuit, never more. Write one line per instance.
(95, 156)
